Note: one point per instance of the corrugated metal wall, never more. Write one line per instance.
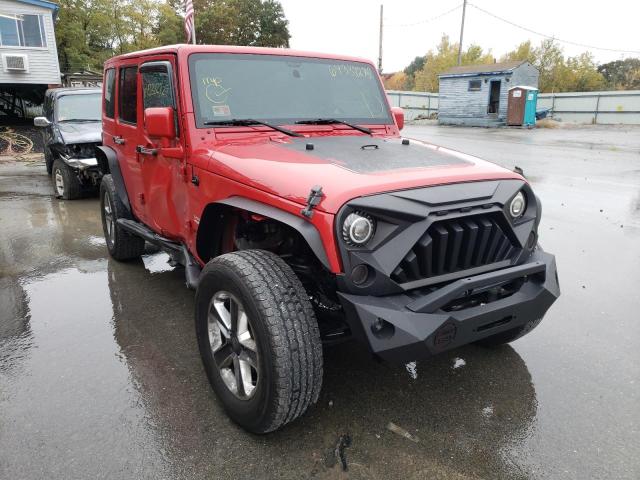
(604, 108)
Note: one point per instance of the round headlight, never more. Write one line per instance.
(517, 205)
(358, 228)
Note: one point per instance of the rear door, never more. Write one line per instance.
(162, 160)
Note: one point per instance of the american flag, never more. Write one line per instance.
(189, 26)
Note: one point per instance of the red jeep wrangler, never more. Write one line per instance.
(280, 182)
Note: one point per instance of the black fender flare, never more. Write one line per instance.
(308, 231)
(114, 169)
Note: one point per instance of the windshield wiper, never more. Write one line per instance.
(329, 121)
(242, 122)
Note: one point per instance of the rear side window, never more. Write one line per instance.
(109, 93)
(129, 94)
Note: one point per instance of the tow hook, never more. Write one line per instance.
(315, 195)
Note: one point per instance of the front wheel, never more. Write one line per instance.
(65, 181)
(258, 338)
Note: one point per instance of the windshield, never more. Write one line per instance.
(283, 89)
(86, 106)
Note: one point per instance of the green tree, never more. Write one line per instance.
(241, 22)
(170, 27)
(582, 75)
(90, 31)
(444, 57)
(524, 52)
(410, 72)
(622, 74)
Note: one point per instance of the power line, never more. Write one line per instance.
(568, 42)
(427, 20)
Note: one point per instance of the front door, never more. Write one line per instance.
(494, 98)
(163, 165)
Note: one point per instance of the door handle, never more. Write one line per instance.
(118, 140)
(146, 151)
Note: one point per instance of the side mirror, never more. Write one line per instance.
(41, 122)
(159, 122)
(398, 115)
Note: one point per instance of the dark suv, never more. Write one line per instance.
(280, 182)
(71, 128)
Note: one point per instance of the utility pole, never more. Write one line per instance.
(464, 9)
(380, 43)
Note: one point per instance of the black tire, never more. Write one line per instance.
(508, 336)
(121, 244)
(282, 325)
(65, 181)
(48, 160)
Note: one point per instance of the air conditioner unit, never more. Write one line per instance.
(12, 62)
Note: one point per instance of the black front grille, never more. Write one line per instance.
(454, 245)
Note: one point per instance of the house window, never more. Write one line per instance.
(22, 31)
(475, 85)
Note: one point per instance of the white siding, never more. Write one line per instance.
(43, 62)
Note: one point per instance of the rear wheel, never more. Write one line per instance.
(258, 339)
(121, 244)
(65, 181)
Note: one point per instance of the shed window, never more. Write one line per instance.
(22, 31)
(475, 85)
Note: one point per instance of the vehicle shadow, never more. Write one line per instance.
(468, 408)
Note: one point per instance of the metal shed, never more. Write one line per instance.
(476, 95)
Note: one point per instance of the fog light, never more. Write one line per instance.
(359, 274)
(517, 205)
(382, 329)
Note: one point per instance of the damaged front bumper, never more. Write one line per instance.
(81, 163)
(412, 326)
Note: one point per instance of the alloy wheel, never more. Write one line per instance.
(233, 345)
(59, 182)
(108, 218)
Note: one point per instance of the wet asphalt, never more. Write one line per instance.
(100, 376)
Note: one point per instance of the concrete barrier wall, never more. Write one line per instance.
(618, 107)
(415, 104)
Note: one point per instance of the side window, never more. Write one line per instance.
(128, 95)
(157, 87)
(157, 90)
(109, 93)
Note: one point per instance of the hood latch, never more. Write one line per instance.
(315, 195)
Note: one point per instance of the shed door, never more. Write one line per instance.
(515, 109)
(494, 98)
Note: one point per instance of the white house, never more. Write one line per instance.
(28, 53)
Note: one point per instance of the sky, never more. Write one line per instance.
(351, 26)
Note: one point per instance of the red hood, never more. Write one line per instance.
(345, 167)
